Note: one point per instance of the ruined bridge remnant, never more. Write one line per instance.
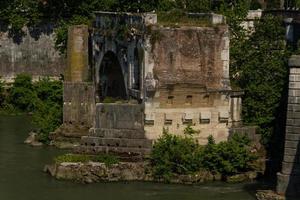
(288, 182)
(160, 76)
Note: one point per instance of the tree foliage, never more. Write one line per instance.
(259, 67)
(42, 98)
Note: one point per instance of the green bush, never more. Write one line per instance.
(50, 91)
(175, 154)
(229, 157)
(21, 94)
(183, 155)
(104, 158)
(47, 117)
(48, 112)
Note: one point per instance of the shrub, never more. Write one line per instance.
(48, 112)
(229, 157)
(48, 90)
(175, 154)
(47, 117)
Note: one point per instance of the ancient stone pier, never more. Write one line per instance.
(144, 76)
(289, 178)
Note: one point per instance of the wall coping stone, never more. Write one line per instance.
(294, 61)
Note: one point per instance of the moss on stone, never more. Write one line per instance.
(105, 158)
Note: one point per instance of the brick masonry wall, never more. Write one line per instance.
(289, 178)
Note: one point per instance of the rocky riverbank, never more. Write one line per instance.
(91, 172)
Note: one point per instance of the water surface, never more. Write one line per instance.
(21, 176)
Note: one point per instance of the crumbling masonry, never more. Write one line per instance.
(159, 76)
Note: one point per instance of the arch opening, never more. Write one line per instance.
(112, 82)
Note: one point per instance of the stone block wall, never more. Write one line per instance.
(79, 103)
(289, 178)
(119, 116)
(187, 78)
(33, 53)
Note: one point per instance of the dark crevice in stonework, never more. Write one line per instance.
(112, 83)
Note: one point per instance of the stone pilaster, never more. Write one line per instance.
(77, 60)
(288, 182)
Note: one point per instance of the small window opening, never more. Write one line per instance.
(189, 100)
(170, 100)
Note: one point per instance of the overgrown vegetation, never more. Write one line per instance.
(43, 99)
(47, 114)
(174, 154)
(104, 158)
(16, 14)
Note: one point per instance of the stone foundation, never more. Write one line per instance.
(118, 128)
(131, 171)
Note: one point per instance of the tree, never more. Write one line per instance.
(262, 73)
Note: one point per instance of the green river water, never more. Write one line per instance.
(22, 178)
